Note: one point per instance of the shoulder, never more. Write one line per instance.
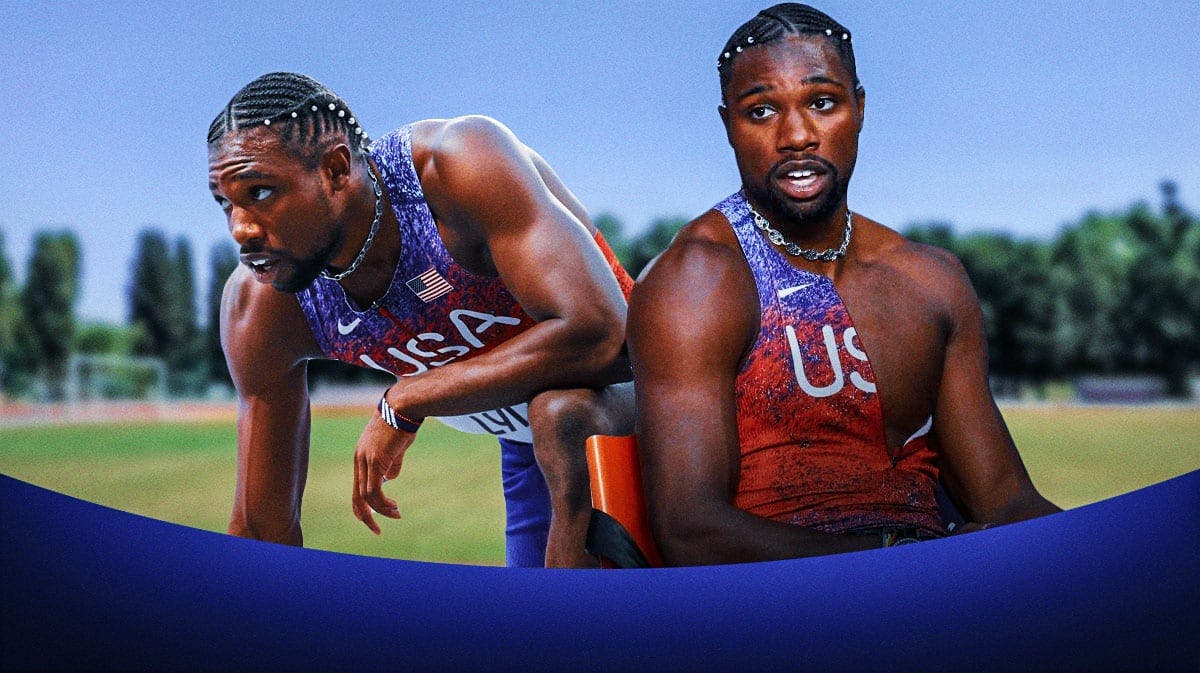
(474, 168)
(927, 270)
(880, 244)
(701, 276)
(262, 327)
(461, 142)
(706, 240)
(704, 246)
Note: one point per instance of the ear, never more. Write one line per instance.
(724, 112)
(335, 166)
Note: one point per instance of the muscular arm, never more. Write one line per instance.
(692, 317)
(487, 187)
(981, 467)
(266, 342)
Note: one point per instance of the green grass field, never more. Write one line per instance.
(449, 490)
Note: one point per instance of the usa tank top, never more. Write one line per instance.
(434, 311)
(810, 424)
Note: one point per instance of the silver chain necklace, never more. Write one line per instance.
(811, 255)
(370, 236)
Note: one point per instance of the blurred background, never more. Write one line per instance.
(1052, 146)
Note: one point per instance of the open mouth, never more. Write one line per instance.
(261, 265)
(802, 180)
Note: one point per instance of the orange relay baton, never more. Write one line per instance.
(619, 532)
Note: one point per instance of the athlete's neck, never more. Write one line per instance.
(371, 280)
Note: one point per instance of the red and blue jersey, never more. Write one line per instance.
(434, 312)
(810, 424)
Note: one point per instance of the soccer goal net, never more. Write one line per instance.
(115, 377)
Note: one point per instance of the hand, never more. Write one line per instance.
(377, 458)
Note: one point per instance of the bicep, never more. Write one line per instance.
(689, 324)
(687, 432)
(538, 243)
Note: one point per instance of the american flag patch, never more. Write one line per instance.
(429, 285)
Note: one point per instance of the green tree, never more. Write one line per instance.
(1098, 254)
(1163, 282)
(936, 232)
(651, 243)
(222, 260)
(48, 304)
(1135, 295)
(614, 232)
(102, 338)
(162, 304)
(1024, 298)
(149, 293)
(10, 320)
(189, 371)
(1185, 264)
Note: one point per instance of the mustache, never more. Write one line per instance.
(256, 247)
(777, 167)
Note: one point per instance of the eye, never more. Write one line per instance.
(760, 112)
(823, 103)
(222, 202)
(260, 193)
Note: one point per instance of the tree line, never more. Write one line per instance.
(40, 332)
(1115, 293)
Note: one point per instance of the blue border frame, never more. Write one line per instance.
(1109, 586)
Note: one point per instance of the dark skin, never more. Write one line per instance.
(792, 105)
(500, 211)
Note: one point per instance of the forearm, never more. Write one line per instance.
(550, 355)
(271, 475)
(1029, 505)
(721, 533)
(282, 529)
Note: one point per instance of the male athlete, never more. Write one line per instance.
(446, 253)
(772, 424)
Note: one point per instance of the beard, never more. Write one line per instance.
(294, 274)
(300, 272)
(802, 213)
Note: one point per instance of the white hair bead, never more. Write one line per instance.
(266, 122)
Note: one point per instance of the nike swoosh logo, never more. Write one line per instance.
(346, 329)
(789, 291)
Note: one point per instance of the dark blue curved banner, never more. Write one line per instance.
(1110, 586)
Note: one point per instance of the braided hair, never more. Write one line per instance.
(782, 20)
(302, 108)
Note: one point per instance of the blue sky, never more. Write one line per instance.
(1016, 116)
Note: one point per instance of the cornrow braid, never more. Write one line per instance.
(782, 20)
(302, 108)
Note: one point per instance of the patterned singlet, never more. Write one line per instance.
(434, 312)
(810, 424)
